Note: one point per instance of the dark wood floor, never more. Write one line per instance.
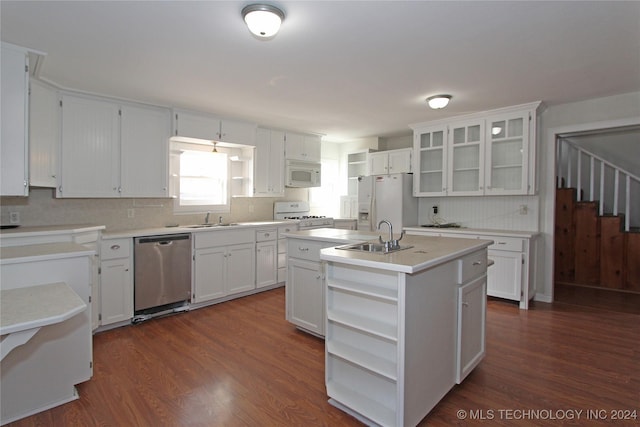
(241, 364)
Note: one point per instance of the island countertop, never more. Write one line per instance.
(333, 235)
(426, 252)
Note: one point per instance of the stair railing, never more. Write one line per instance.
(568, 155)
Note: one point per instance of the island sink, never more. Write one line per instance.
(371, 247)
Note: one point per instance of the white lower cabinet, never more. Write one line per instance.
(224, 264)
(305, 287)
(305, 295)
(514, 254)
(116, 281)
(393, 342)
(266, 257)
(472, 308)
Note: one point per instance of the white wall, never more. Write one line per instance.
(596, 113)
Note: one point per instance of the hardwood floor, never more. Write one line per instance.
(241, 364)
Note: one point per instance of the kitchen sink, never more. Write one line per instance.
(211, 225)
(370, 247)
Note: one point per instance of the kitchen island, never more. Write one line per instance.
(404, 327)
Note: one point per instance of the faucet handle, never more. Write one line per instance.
(401, 236)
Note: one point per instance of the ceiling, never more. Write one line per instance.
(344, 69)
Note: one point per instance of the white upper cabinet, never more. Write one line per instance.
(44, 135)
(302, 147)
(269, 163)
(202, 126)
(507, 154)
(391, 161)
(466, 158)
(113, 150)
(489, 153)
(14, 148)
(144, 140)
(90, 155)
(430, 147)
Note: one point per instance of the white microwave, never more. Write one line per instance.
(302, 174)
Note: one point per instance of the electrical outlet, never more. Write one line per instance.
(14, 217)
(131, 213)
(524, 209)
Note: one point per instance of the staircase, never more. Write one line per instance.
(592, 249)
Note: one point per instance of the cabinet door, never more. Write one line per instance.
(90, 148)
(196, 126)
(44, 135)
(505, 276)
(430, 147)
(304, 295)
(472, 306)
(378, 163)
(240, 268)
(237, 132)
(507, 154)
(266, 263)
(466, 159)
(269, 163)
(14, 149)
(116, 291)
(210, 274)
(302, 147)
(400, 161)
(145, 133)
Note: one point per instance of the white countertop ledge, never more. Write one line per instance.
(427, 252)
(37, 306)
(44, 251)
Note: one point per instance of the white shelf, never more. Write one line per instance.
(366, 360)
(364, 324)
(362, 404)
(368, 290)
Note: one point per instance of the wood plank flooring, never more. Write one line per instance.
(241, 364)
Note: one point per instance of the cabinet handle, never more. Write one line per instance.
(114, 247)
(465, 304)
(501, 243)
(318, 277)
(266, 234)
(477, 263)
(303, 249)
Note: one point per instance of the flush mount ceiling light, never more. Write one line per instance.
(263, 20)
(438, 101)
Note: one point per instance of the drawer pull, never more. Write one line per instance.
(114, 247)
(501, 243)
(477, 263)
(266, 234)
(465, 304)
(303, 249)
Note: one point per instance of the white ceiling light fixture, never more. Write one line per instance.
(438, 101)
(263, 20)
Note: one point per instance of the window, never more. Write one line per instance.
(200, 178)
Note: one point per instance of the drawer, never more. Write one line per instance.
(472, 266)
(505, 243)
(266, 235)
(115, 248)
(286, 229)
(213, 238)
(306, 249)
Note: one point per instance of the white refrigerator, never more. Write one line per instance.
(391, 199)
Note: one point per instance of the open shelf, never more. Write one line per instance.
(363, 289)
(365, 324)
(365, 359)
(361, 404)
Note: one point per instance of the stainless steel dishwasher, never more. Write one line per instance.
(162, 272)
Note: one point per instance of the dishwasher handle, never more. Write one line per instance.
(162, 240)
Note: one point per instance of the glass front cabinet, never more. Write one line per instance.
(489, 153)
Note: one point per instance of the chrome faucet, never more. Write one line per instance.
(391, 243)
(206, 218)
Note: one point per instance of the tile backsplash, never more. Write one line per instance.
(518, 213)
(42, 208)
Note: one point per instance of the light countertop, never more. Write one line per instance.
(426, 252)
(333, 235)
(159, 231)
(25, 231)
(28, 253)
(483, 231)
(37, 306)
